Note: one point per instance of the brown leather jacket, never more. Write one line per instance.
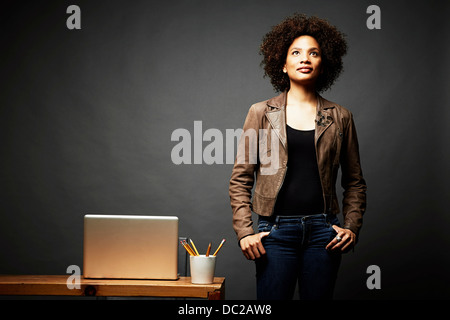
(336, 145)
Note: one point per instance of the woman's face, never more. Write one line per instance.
(303, 61)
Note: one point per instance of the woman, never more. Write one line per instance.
(299, 236)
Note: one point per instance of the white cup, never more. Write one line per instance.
(202, 269)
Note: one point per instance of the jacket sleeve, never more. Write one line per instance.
(353, 183)
(242, 180)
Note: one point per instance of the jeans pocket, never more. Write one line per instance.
(265, 226)
(333, 232)
(333, 221)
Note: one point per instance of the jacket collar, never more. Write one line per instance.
(277, 117)
(280, 101)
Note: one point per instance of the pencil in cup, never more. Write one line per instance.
(193, 245)
(220, 246)
(193, 250)
(188, 248)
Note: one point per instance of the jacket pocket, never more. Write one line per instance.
(262, 205)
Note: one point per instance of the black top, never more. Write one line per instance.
(301, 192)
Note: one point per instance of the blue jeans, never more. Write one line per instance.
(295, 251)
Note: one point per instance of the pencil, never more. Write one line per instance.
(220, 246)
(189, 247)
(185, 247)
(193, 245)
(189, 250)
(209, 249)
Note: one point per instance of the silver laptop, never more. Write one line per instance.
(130, 247)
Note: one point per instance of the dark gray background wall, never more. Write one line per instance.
(86, 118)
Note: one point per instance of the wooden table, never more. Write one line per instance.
(56, 285)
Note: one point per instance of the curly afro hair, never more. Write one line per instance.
(276, 43)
